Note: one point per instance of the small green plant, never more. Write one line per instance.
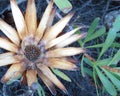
(103, 70)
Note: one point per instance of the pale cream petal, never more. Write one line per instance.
(47, 82)
(47, 72)
(10, 32)
(31, 77)
(70, 40)
(8, 58)
(30, 17)
(7, 45)
(61, 64)
(51, 18)
(56, 29)
(13, 72)
(18, 19)
(62, 52)
(60, 38)
(43, 23)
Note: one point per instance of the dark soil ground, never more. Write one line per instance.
(85, 12)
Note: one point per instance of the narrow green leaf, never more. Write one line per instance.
(101, 45)
(88, 71)
(87, 61)
(96, 34)
(118, 34)
(111, 36)
(106, 83)
(64, 5)
(115, 59)
(92, 28)
(103, 62)
(40, 90)
(114, 80)
(61, 75)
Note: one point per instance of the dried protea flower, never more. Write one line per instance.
(33, 50)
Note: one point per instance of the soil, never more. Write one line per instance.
(85, 12)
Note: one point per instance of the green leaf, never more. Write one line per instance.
(61, 75)
(106, 83)
(116, 45)
(111, 36)
(115, 59)
(103, 62)
(40, 90)
(96, 34)
(88, 71)
(114, 80)
(64, 5)
(92, 28)
(87, 61)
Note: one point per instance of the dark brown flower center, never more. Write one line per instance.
(32, 52)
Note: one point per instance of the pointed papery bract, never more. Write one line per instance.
(60, 39)
(61, 64)
(56, 29)
(47, 72)
(62, 52)
(51, 18)
(8, 58)
(7, 45)
(18, 19)
(47, 82)
(30, 17)
(70, 40)
(10, 32)
(13, 72)
(31, 77)
(7, 54)
(43, 23)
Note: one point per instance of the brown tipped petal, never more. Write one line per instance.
(31, 77)
(47, 82)
(57, 28)
(43, 23)
(10, 32)
(18, 19)
(7, 45)
(62, 52)
(13, 72)
(47, 72)
(70, 40)
(30, 17)
(8, 58)
(61, 64)
(60, 39)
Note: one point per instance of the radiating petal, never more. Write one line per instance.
(13, 72)
(31, 77)
(51, 18)
(57, 28)
(47, 72)
(7, 45)
(61, 64)
(8, 58)
(30, 17)
(43, 23)
(47, 82)
(70, 40)
(60, 39)
(10, 32)
(18, 19)
(61, 52)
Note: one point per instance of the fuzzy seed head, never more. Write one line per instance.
(31, 52)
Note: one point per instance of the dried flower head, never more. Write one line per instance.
(33, 50)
